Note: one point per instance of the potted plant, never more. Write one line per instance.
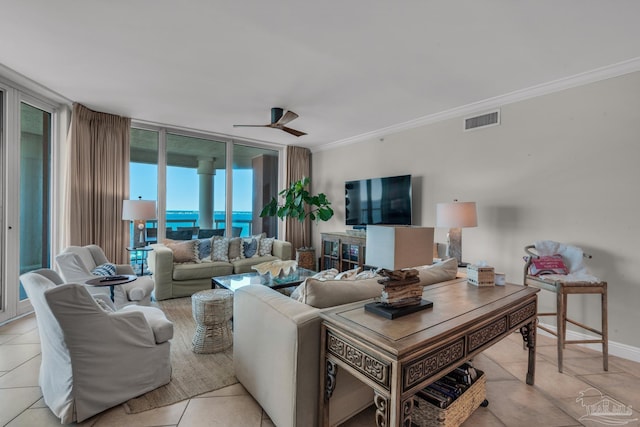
(300, 204)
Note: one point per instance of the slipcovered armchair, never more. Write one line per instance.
(93, 356)
(78, 263)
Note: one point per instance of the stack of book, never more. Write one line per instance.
(447, 389)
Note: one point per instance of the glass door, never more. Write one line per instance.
(35, 175)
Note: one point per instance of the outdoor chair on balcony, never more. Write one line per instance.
(205, 233)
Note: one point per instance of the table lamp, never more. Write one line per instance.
(455, 216)
(397, 247)
(139, 211)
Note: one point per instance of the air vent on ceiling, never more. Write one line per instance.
(489, 119)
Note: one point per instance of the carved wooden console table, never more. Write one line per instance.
(399, 357)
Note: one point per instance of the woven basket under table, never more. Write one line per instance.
(426, 414)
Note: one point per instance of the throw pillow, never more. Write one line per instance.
(348, 275)
(266, 246)
(367, 274)
(250, 246)
(235, 249)
(220, 250)
(106, 269)
(553, 264)
(204, 249)
(184, 251)
(439, 272)
(321, 275)
(329, 293)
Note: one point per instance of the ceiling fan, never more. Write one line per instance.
(278, 121)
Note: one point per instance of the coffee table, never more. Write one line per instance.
(399, 357)
(236, 281)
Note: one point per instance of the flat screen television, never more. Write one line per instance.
(380, 201)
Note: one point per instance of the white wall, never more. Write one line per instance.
(562, 166)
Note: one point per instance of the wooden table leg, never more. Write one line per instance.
(382, 409)
(528, 332)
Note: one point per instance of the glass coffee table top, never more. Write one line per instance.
(236, 281)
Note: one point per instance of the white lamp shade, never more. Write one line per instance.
(456, 215)
(395, 248)
(138, 209)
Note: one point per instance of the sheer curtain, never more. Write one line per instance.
(97, 181)
(298, 166)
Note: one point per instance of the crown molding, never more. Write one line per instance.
(588, 77)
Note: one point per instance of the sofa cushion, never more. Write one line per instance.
(438, 272)
(244, 265)
(194, 271)
(329, 293)
(184, 250)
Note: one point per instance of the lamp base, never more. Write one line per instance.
(139, 233)
(454, 245)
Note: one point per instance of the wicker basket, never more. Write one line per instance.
(306, 258)
(427, 415)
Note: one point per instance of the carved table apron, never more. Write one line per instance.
(401, 356)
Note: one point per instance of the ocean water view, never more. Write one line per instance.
(191, 219)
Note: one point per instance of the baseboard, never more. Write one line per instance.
(615, 348)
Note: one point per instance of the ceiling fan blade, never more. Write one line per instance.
(251, 126)
(292, 131)
(288, 116)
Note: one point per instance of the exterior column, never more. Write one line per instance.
(206, 171)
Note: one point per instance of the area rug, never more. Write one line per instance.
(192, 374)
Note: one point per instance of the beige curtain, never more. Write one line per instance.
(98, 181)
(298, 166)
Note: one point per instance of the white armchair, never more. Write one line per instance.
(94, 358)
(76, 264)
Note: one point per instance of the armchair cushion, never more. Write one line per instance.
(162, 328)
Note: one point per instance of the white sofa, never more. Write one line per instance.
(276, 351)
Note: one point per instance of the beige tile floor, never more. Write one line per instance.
(551, 402)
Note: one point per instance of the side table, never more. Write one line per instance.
(111, 281)
(212, 311)
(136, 251)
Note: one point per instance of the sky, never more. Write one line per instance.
(182, 187)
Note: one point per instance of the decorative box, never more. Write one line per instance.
(425, 414)
(480, 275)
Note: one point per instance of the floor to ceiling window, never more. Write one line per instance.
(193, 193)
(35, 165)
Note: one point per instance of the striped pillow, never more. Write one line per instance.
(106, 269)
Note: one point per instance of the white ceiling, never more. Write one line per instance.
(348, 68)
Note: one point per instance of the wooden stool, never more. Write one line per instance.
(212, 311)
(562, 290)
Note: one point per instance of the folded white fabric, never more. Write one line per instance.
(572, 256)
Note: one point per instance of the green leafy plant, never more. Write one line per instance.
(299, 203)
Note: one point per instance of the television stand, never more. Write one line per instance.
(342, 251)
